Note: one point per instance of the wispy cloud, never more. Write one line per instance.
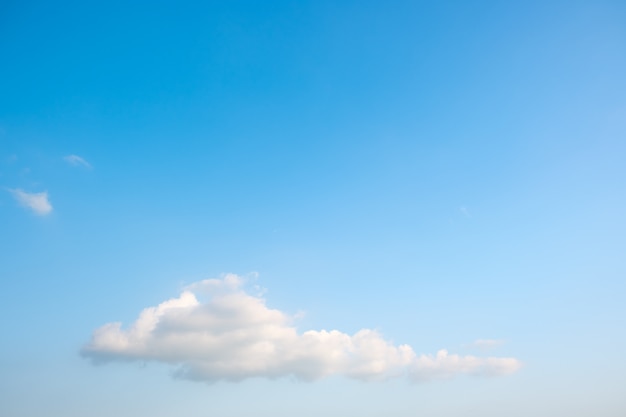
(76, 161)
(37, 202)
(485, 344)
(234, 335)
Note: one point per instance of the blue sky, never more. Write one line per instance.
(445, 175)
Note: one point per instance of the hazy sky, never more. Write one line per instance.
(293, 208)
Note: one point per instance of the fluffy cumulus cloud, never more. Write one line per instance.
(76, 161)
(233, 335)
(37, 202)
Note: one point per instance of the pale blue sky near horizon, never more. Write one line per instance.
(443, 172)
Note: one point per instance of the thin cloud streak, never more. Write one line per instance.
(485, 344)
(37, 202)
(76, 161)
(233, 336)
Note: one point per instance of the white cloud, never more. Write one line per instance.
(76, 161)
(234, 335)
(37, 202)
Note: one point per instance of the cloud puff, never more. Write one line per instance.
(37, 202)
(76, 161)
(234, 335)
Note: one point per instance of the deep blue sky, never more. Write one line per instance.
(440, 171)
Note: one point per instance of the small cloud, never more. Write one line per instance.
(216, 330)
(37, 202)
(76, 161)
(485, 344)
(465, 212)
